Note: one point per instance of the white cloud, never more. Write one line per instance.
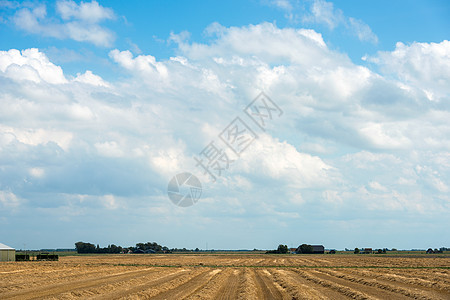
(362, 30)
(90, 12)
(123, 140)
(109, 201)
(39, 136)
(79, 22)
(387, 135)
(293, 45)
(325, 13)
(281, 161)
(109, 149)
(90, 78)
(37, 172)
(169, 161)
(145, 64)
(9, 200)
(377, 186)
(30, 64)
(283, 4)
(419, 65)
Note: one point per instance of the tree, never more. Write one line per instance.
(356, 251)
(306, 249)
(282, 249)
(85, 247)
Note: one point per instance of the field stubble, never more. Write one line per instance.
(228, 276)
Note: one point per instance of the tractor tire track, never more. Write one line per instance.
(230, 289)
(343, 289)
(188, 288)
(266, 288)
(300, 288)
(399, 289)
(59, 288)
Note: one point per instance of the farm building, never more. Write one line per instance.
(318, 249)
(7, 253)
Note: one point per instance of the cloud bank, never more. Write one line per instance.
(353, 144)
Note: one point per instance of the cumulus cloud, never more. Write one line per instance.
(34, 137)
(349, 137)
(287, 45)
(90, 78)
(30, 64)
(419, 65)
(145, 64)
(280, 161)
(79, 22)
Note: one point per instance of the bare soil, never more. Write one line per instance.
(228, 276)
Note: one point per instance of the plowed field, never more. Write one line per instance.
(228, 276)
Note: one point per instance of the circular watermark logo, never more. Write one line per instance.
(184, 189)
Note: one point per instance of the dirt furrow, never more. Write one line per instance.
(398, 289)
(300, 288)
(441, 276)
(231, 287)
(343, 289)
(188, 288)
(247, 287)
(388, 275)
(212, 288)
(59, 288)
(266, 286)
(130, 287)
(37, 279)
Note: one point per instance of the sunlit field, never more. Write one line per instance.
(229, 276)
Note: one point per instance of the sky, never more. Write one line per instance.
(342, 110)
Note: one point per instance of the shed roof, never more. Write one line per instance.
(4, 247)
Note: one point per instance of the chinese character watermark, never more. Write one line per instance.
(185, 189)
(237, 136)
(213, 161)
(262, 110)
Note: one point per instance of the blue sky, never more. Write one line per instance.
(102, 103)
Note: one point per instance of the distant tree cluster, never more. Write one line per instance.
(305, 249)
(180, 250)
(91, 248)
(282, 249)
(151, 246)
(148, 247)
(440, 250)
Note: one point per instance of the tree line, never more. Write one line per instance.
(91, 248)
(149, 247)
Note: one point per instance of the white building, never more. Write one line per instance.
(7, 253)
